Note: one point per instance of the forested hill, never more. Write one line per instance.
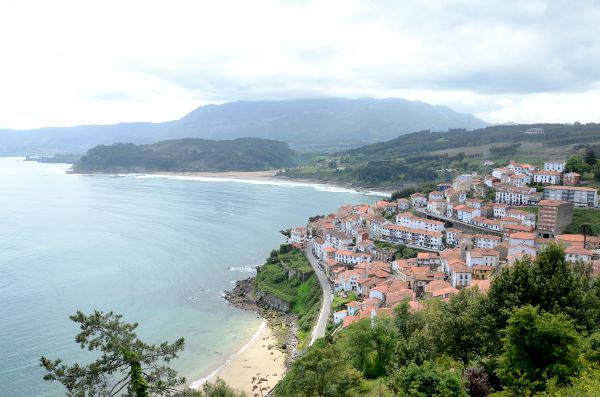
(189, 155)
(439, 156)
(554, 136)
(333, 123)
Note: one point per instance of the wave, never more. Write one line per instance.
(197, 384)
(243, 269)
(267, 182)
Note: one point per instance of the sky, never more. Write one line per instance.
(65, 63)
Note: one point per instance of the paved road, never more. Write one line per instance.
(319, 329)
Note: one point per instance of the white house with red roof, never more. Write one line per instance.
(547, 177)
(485, 257)
(298, 237)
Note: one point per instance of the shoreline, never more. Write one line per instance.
(265, 177)
(258, 358)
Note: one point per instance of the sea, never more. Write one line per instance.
(157, 249)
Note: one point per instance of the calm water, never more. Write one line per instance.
(157, 250)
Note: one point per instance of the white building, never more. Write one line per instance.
(513, 195)
(547, 177)
(485, 257)
(579, 196)
(555, 165)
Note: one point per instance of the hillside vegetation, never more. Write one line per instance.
(536, 332)
(436, 156)
(189, 155)
(304, 295)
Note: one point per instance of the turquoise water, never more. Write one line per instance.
(158, 250)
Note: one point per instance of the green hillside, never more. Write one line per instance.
(189, 155)
(437, 156)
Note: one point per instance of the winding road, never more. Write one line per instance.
(320, 327)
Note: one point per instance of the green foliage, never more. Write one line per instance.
(506, 150)
(119, 367)
(548, 282)
(586, 385)
(428, 380)
(458, 325)
(371, 346)
(537, 348)
(321, 371)
(189, 155)
(217, 389)
(576, 164)
(585, 215)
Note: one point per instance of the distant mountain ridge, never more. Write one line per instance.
(189, 155)
(304, 123)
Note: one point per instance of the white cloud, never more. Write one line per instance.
(81, 62)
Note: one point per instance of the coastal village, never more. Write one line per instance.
(463, 233)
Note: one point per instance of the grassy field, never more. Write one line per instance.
(585, 215)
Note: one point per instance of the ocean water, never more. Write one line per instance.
(159, 250)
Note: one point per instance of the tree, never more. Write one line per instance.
(478, 382)
(427, 380)
(586, 230)
(217, 389)
(590, 157)
(575, 163)
(322, 371)
(548, 282)
(538, 347)
(457, 325)
(372, 345)
(126, 366)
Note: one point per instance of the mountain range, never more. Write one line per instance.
(303, 123)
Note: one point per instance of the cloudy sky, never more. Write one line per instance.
(97, 62)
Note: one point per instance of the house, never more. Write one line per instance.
(436, 286)
(500, 209)
(338, 240)
(555, 165)
(437, 207)
(485, 257)
(491, 224)
(571, 178)
(452, 236)
(526, 169)
(524, 218)
(513, 195)
(518, 180)
(403, 205)
(339, 316)
(347, 281)
(575, 254)
(521, 238)
(579, 196)
(486, 241)
(351, 258)
(418, 200)
(547, 177)
(429, 259)
(508, 230)
(442, 187)
(460, 275)
(298, 237)
(466, 214)
(481, 272)
(436, 195)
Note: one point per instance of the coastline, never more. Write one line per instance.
(259, 358)
(266, 177)
(267, 354)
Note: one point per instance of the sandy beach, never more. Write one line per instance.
(259, 356)
(249, 175)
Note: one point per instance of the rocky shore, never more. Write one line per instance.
(245, 296)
